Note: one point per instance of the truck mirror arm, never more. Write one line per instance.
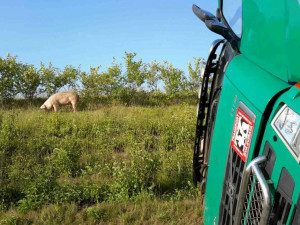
(216, 26)
(202, 14)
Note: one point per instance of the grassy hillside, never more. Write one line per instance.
(127, 97)
(115, 165)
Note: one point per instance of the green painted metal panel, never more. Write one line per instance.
(269, 59)
(255, 83)
(229, 100)
(246, 82)
(271, 34)
(284, 158)
(218, 154)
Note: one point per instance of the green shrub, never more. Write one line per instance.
(116, 154)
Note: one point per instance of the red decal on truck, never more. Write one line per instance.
(242, 134)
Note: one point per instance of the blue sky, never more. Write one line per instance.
(91, 32)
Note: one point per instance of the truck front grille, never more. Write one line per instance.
(232, 181)
(254, 199)
(253, 203)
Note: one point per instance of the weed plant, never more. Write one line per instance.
(115, 165)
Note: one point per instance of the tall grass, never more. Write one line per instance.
(115, 165)
(126, 97)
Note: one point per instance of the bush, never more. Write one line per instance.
(116, 154)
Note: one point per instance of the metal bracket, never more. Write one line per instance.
(201, 125)
(254, 201)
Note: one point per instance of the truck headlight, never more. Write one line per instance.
(287, 125)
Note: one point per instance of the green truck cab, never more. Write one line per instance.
(247, 144)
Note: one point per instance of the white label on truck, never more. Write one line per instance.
(242, 134)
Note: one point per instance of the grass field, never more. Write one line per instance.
(115, 165)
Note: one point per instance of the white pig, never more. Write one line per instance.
(61, 98)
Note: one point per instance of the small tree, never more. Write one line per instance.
(10, 70)
(173, 78)
(69, 76)
(90, 82)
(111, 80)
(195, 73)
(50, 79)
(28, 81)
(153, 75)
(135, 71)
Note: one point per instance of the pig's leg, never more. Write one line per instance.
(74, 106)
(55, 108)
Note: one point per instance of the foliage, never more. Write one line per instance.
(195, 73)
(10, 70)
(69, 77)
(50, 79)
(173, 78)
(90, 82)
(111, 80)
(116, 83)
(28, 82)
(153, 76)
(147, 212)
(125, 97)
(135, 71)
(114, 155)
